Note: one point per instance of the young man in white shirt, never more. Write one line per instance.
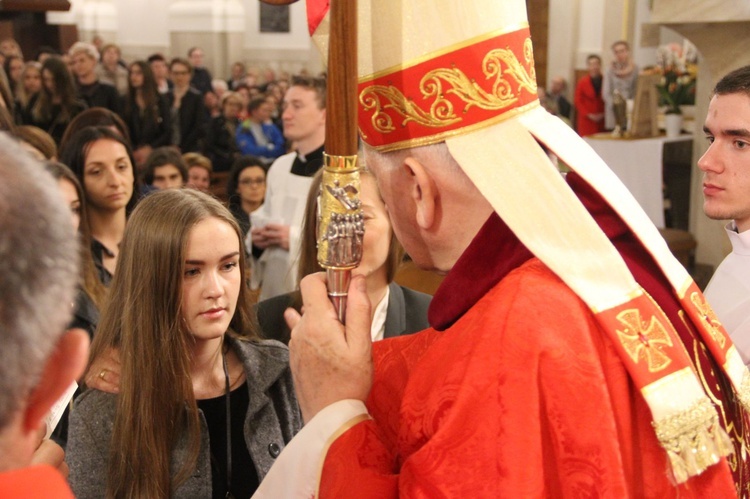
(275, 234)
(726, 192)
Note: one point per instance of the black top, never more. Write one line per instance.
(244, 476)
(221, 146)
(243, 219)
(147, 129)
(307, 166)
(98, 250)
(100, 94)
(201, 80)
(597, 84)
(56, 124)
(192, 120)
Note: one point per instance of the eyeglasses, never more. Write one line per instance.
(252, 181)
(180, 73)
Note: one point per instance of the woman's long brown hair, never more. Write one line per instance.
(89, 279)
(142, 318)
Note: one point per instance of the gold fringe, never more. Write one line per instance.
(693, 439)
(743, 395)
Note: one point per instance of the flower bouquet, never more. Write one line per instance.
(677, 66)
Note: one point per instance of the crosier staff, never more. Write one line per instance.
(340, 224)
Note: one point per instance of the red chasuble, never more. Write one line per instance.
(35, 482)
(515, 392)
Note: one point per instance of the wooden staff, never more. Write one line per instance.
(340, 223)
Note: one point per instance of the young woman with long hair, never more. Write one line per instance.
(30, 84)
(204, 406)
(103, 163)
(91, 291)
(53, 108)
(145, 111)
(13, 67)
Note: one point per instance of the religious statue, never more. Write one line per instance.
(619, 107)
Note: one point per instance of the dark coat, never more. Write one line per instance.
(144, 131)
(273, 418)
(221, 146)
(192, 118)
(56, 125)
(406, 314)
(100, 94)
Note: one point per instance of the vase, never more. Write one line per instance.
(673, 124)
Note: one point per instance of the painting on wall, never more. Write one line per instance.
(274, 18)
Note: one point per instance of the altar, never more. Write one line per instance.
(639, 163)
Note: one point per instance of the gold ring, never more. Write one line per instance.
(101, 374)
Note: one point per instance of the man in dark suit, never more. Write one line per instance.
(186, 104)
(201, 80)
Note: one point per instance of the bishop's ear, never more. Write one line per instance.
(423, 192)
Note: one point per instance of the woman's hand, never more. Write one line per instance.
(104, 373)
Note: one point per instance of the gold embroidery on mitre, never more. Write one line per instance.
(497, 64)
(707, 315)
(642, 340)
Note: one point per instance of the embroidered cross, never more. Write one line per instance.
(708, 316)
(642, 340)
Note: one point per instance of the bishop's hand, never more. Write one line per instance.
(330, 361)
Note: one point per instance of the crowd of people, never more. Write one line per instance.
(134, 149)
(162, 102)
(566, 353)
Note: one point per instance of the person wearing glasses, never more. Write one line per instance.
(246, 189)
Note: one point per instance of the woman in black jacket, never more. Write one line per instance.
(221, 146)
(145, 111)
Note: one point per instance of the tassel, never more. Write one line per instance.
(743, 394)
(693, 439)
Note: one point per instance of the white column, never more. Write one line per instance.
(217, 26)
(142, 29)
(92, 17)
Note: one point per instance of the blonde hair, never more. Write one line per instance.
(197, 159)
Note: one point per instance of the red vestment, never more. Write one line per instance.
(34, 482)
(520, 395)
(587, 101)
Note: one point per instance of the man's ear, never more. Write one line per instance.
(423, 192)
(65, 365)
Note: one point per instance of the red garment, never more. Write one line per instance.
(587, 101)
(35, 482)
(521, 396)
(502, 405)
